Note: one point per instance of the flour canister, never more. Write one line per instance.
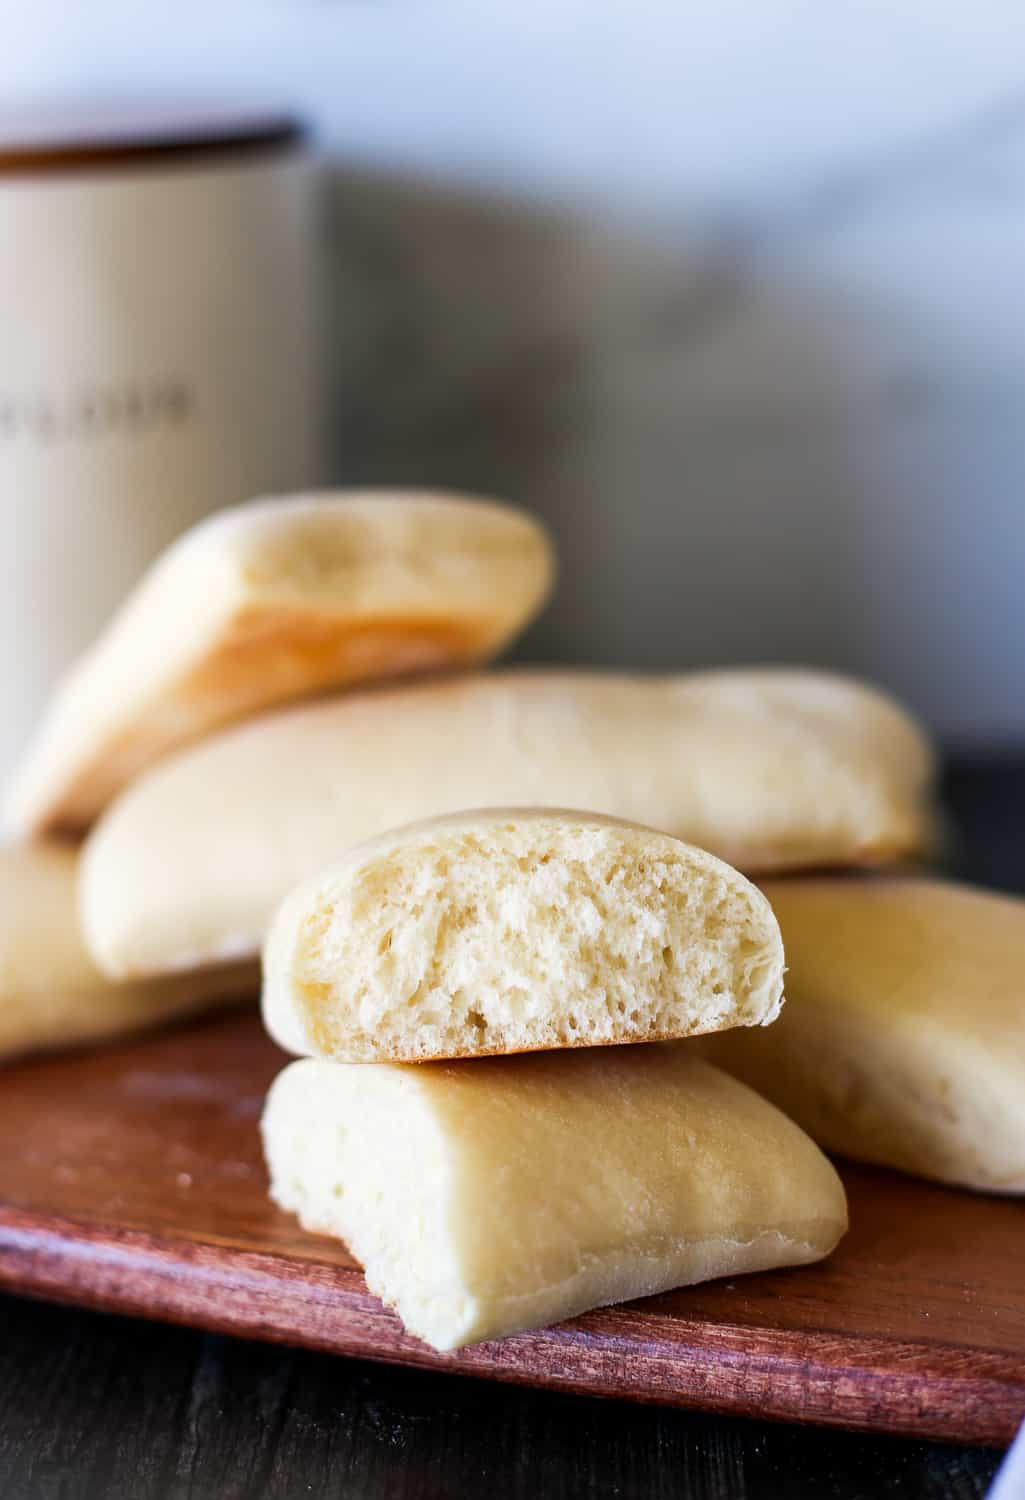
(157, 360)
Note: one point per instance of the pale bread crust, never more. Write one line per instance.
(767, 769)
(521, 1191)
(902, 1040)
(51, 994)
(272, 601)
(359, 965)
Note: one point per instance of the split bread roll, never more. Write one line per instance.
(902, 1040)
(768, 769)
(483, 1198)
(269, 602)
(510, 931)
(51, 995)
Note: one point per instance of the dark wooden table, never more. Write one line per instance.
(93, 1407)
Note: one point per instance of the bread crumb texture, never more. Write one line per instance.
(512, 932)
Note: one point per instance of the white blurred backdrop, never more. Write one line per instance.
(733, 294)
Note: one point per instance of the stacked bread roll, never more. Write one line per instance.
(486, 1192)
(271, 602)
(232, 748)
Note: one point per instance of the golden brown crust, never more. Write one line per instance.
(556, 1046)
(266, 658)
(270, 603)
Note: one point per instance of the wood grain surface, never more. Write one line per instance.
(132, 1181)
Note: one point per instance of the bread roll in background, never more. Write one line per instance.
(269, 602)
(51, 995)
(768, 769)
(487, 1197)
(902, 1040)
(512, 930)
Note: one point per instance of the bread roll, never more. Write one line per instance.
(512, 931)
(269, 602)
(487, 1197)
(903, 1037)
(51, 995)
(768, 769)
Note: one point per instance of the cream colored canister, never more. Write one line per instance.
(157, 361)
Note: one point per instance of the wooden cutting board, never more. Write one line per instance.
(132, 1180)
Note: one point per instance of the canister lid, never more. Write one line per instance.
(72, 140)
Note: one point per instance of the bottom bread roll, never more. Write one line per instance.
(51, 994)
(902, 1041)
(486, 1197)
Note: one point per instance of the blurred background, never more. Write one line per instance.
(733, 296)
